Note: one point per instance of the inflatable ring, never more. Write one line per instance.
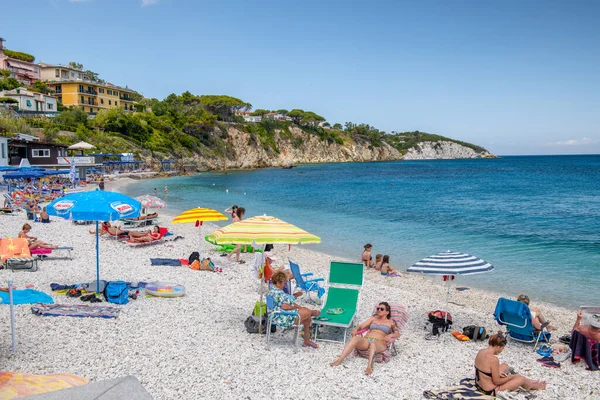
(18, 197)
(163, 289)
(229, 247)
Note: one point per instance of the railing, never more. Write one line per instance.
(88, 91)
(30, 113)
(87, 103)
(126, 98)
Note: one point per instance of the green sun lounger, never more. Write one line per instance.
(343, 294)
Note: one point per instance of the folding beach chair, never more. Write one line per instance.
(399, 315)
(341, 306)
(306, 285)
(272, 313)
(517, 318)
(15, 254)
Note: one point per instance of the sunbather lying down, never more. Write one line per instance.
(107, 228)
(147, 237)
(143, 217)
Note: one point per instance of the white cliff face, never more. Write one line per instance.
(442, 150)
(243, 151)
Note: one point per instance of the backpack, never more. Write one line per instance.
(475, 332)
(441, 321)
(116, 292)
(251, 325)
(193, 257)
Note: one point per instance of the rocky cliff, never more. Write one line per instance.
(245, 151)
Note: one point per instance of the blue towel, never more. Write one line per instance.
(27, 296)
(173, 262)
(512, 307)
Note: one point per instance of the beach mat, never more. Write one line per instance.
(128, 387)
(466, 390)
(14, 385)
(27, 296)
(76, 310)
(172, 262)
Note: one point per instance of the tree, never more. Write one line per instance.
(223, 106)
(260, 112)
(93, 75)
(4, 73)
(296, 114)
(75, 65)
(71, 119)
(41, 87)
(283, 111)
(337, 126)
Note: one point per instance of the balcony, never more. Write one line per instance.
(87, 103)
(125, 98)
(88, 91)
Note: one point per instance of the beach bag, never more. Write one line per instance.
(251, 325)
(475, 332)
(440, 320)
(207, 265)
(193, 257)
(116, 292)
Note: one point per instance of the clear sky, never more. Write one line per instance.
(517, 77)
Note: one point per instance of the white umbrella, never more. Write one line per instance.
(81, 146)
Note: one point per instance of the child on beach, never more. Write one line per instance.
(366, 257)
(492, 377)
(378, 261)
(386, 268)
(34, 243)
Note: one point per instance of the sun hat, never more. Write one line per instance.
(594, 320)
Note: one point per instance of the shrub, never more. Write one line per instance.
(8, 100)
(19, 55)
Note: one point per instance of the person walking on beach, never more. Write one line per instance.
(237, 217)
(101, 184)
(492, 377)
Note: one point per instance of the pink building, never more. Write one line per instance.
(23, 71)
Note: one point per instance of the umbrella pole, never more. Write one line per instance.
(262, 281)
(97, 260)
(12, 316)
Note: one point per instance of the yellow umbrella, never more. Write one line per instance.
(199, 215)
(262, 230)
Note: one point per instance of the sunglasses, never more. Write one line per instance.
(381, 309)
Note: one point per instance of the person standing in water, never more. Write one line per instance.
(166, 190)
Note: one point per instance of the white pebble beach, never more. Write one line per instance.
(196, 346)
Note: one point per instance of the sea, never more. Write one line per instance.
(535, 218)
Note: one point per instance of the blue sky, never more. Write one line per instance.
(517, 77)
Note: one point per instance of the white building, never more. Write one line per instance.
(31, 101)
(3, 151)
(252, 118)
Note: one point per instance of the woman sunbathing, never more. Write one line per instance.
(285, 302)
(106, 227)
(381, 332)
(492, 377)
(143, 217)
(34, 243)
(536, 315)
(147, 237)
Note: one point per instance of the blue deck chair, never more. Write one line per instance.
(272, 313)
(517, 318)
(306, 285)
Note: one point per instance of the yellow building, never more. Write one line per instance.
(75, 88)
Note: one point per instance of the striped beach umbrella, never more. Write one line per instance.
(450, 263)
(262, 230)
(149, 201)
(198, 216)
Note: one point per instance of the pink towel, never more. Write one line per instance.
(39, 250)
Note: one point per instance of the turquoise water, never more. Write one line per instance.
(536, 218)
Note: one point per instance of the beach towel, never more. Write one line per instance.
(466, 390)
(173, 262)
(14, 385)
(27, 296)
(585, 349)
(77, 310)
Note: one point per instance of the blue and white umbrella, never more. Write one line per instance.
(96, 205)
(450, 263)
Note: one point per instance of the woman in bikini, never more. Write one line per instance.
(492, 377)
(232, 211)
(34, 243)
(148, 237)
(366, 257)
(237, 217)
(386, 269)
(381, 332)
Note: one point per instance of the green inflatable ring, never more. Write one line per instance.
(229, 247)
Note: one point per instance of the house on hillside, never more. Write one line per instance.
(30, 101)
(38, 153)
(277, 117)
(23, 71)
(252, 118)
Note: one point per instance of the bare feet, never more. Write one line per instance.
(311, 344)
(539, 385)
(335, 363)
(315, 313)
(368, 371)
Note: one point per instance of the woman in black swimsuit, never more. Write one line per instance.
(492, 377)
